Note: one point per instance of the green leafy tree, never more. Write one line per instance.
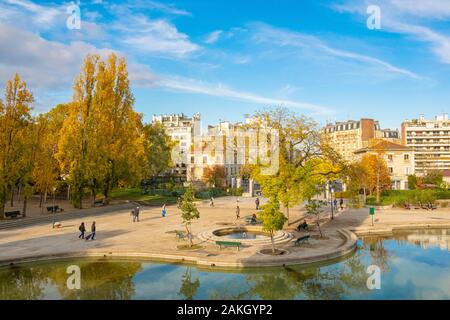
(315, 208)
(434, 177)
(272, 219)
(158, 148)
(189, 211)
(412, 182)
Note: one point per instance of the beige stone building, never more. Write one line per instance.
(399, 160)
(182, 130)
(430, 140)
(348, 136)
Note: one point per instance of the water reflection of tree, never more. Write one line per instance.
(378, 253)
(188, 287)
(99, 280)
(324, 283)
(22, 283)
(316, 283)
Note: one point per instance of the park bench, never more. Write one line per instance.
(100, 202)
(12, 214)
(301, 240)
(180, 235)
(303, 227)
(228, 244)
(249, 220)
(54, 208)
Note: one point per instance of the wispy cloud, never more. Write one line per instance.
(223, 91)
(138, 5)
(213, 36)
(409, 17)
(281, 37)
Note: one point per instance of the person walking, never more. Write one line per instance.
(341, 203)
(238, 212)
(137, 213)
(257, 203)
(93, 230)
(82, 229)
(211, 202)
(335, 204)
(133, 214)
(163, 211)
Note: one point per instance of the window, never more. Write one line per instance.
(407, 171)
(391, 170)
(406, 157)
(390, 157)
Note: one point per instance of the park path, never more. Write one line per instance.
(6, 224)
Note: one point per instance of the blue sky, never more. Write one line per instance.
(227, 58)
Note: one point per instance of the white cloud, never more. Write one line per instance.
(43, 16)
(155, 36)
(266, 33)
(213, 37)
(402, 16)
(43, 64)
(439, 9)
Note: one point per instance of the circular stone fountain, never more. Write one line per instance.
(249, 235)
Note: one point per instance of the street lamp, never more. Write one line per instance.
(53, 208)
(332, 204)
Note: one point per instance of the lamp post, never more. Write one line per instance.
(332, 204)
(53, 208)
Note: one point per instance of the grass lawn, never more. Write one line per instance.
(135, 194)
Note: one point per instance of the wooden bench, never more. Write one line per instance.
(55, 208)
(302, 240)
(228, 244)
(12, 214)
(100, 202)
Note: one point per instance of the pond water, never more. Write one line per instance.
(245, 235)
(414, 265)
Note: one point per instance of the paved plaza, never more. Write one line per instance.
(154, 236)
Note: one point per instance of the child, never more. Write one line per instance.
(163, 212)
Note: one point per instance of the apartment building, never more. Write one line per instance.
(231, 145)
(430, 139)
(349, 136)
(399, 160)
(182, 129)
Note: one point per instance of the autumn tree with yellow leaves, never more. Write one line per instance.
(15, 122)
(101, 143)
(306, 161)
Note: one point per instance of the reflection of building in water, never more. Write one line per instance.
(430, 238)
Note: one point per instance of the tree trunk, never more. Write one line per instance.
(45, 196)
(318, 226)
(378, 186)
(93, 197)
(12, 197)
(19, 189)
(2, 212)
(189, 235)
(25, 200)
(273, 242)
(287, 213)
